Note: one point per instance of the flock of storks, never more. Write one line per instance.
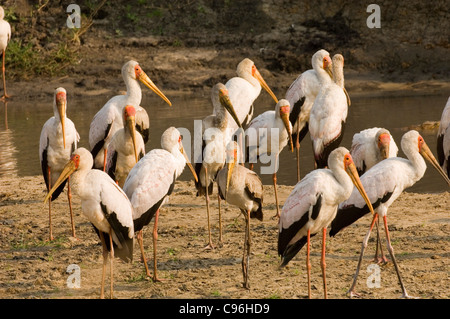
(122, 188)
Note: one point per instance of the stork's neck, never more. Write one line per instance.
(134, 93)
(252, 80)
(180, 161)
(344, 180)
(322, 75)
(417, 162)
(77, 181)
(338, 75)
(221, 119)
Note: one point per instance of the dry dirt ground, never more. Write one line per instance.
(32, 267)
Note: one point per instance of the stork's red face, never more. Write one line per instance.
(143, 77)
(76, 160)
(348, 160)
(327, 64)
(129, 111)
(420, 143)
(60, 97)
(138, 71)
(285, 109)
(257, 75)
(384, 140)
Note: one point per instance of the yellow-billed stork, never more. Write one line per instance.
(369, 147)
(329, 113)
(109, 118)
(58, 140)
(312, 205)
(243, 188)
(125, 149)
(301, 95)
(149, 183)
(269, 133)
(105, 205)
(384, 183)
(244, 89)
(217, 131)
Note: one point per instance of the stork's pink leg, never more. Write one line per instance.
(323, 264)
(308, 262)
(210, 244)
(391, 252)
(5, 96)
(140, 238)
(351, 291)
(69, 197)
(49, 176)
(155, 238)
(297, 148)
(112, 264)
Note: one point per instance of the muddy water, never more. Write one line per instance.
(21, 123)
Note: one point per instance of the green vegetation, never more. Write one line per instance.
(25, 61)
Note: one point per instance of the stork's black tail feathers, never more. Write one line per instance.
(292, 250)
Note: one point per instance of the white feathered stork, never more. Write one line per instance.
(243, 188)
(301, 95)
(58, 140)
(125, 149)
(328, 113)
(244, 90)
(5, 36)
(217, 131)
(312, 205)
(443, 139)
(384, 183)
(149, 183)
(369, 147)
(269, 133)
(105, 205)
(109, 118)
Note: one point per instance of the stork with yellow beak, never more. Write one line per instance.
(243, 188)
(58, 140)
(269, 133)
(109, 118)
(125, 149)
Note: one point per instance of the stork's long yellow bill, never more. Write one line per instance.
(191, 168)
(226, 103)
(428, 155)
(149, 83)
(263, 83)
(67, 171)
(61, 106)
(131, 124)
(353, 173)
(285, 119)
